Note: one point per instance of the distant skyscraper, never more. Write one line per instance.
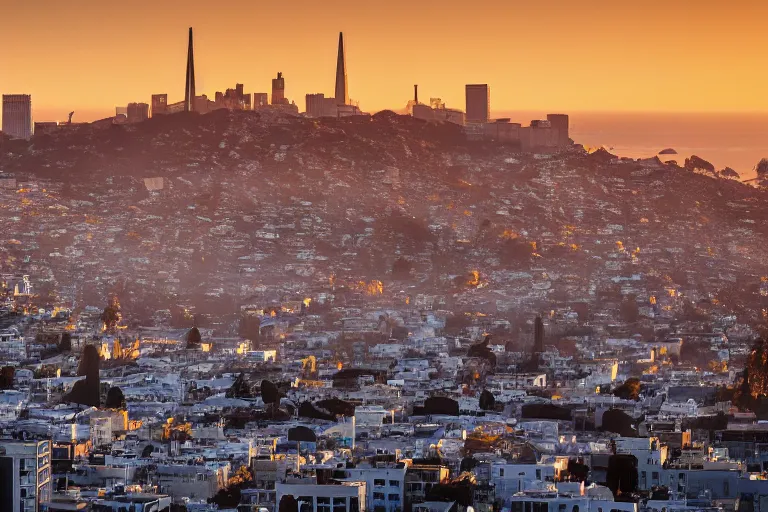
(342, 93)
(278, 90)
(478, 103)
(560, 123)
(315, 105)
(159, 104)
(137, 112)
(260, 99)
(189, 92)
(17, 115)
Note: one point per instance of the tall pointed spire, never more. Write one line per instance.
(342, 94)
(189, 92)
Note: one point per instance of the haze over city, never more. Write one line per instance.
(342, 256)
(582, 55)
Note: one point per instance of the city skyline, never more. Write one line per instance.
(587, 42)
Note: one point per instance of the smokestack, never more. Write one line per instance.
(189, 91)
(416, 94)
(342, 93)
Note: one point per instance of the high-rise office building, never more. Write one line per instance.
(560, 123)
(25, 468)
(159, 104)
(233, 99)
(342, 93)
(189, 90)
(17, 115)
(278, 90)
(260, 99)
(478, 103)
(315, 104)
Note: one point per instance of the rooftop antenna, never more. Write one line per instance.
(70, 117)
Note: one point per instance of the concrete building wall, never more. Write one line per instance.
(30, 470)
(310, 494)
(17, 115)
(159, 104)
(560, 122)
(478, 97)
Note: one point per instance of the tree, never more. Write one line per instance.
(6, 377)
(249, 329)
(630, 312)
(115, 398)
(229, 497)
(401, 269)
(288, 504)
(630, 390)
(487, 400)
(240, 388)
(111, 315)
(194, 338)
(65, 345)
(619, 422)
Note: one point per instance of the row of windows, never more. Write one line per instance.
(521, 473)
(391, 497)
(380, 482)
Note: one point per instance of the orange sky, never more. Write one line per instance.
(549, 55)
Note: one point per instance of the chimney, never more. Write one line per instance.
(416, 94)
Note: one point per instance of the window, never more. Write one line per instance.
(655, 475)
(575, 508)
(538, 474)
(726, 489)
(306, 503)
(354, 504)
(561, 507)
(501, 472)
(394, 497)
(394, 483)
(339, 504)
(378, 496)
(379, 483)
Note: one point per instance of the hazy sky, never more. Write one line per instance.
(550, 55)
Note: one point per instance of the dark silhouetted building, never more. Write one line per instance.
(315, 104)
(436, 111)
(189, 90)
(278, 90)
(478, 103)
(260, 99)
(233, 99)
(137, 112)
(342, 93)
(560, 123)
(17, 115)
(159, 104)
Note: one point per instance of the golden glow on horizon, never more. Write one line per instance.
(549, 55)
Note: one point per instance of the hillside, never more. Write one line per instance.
(274, 206)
